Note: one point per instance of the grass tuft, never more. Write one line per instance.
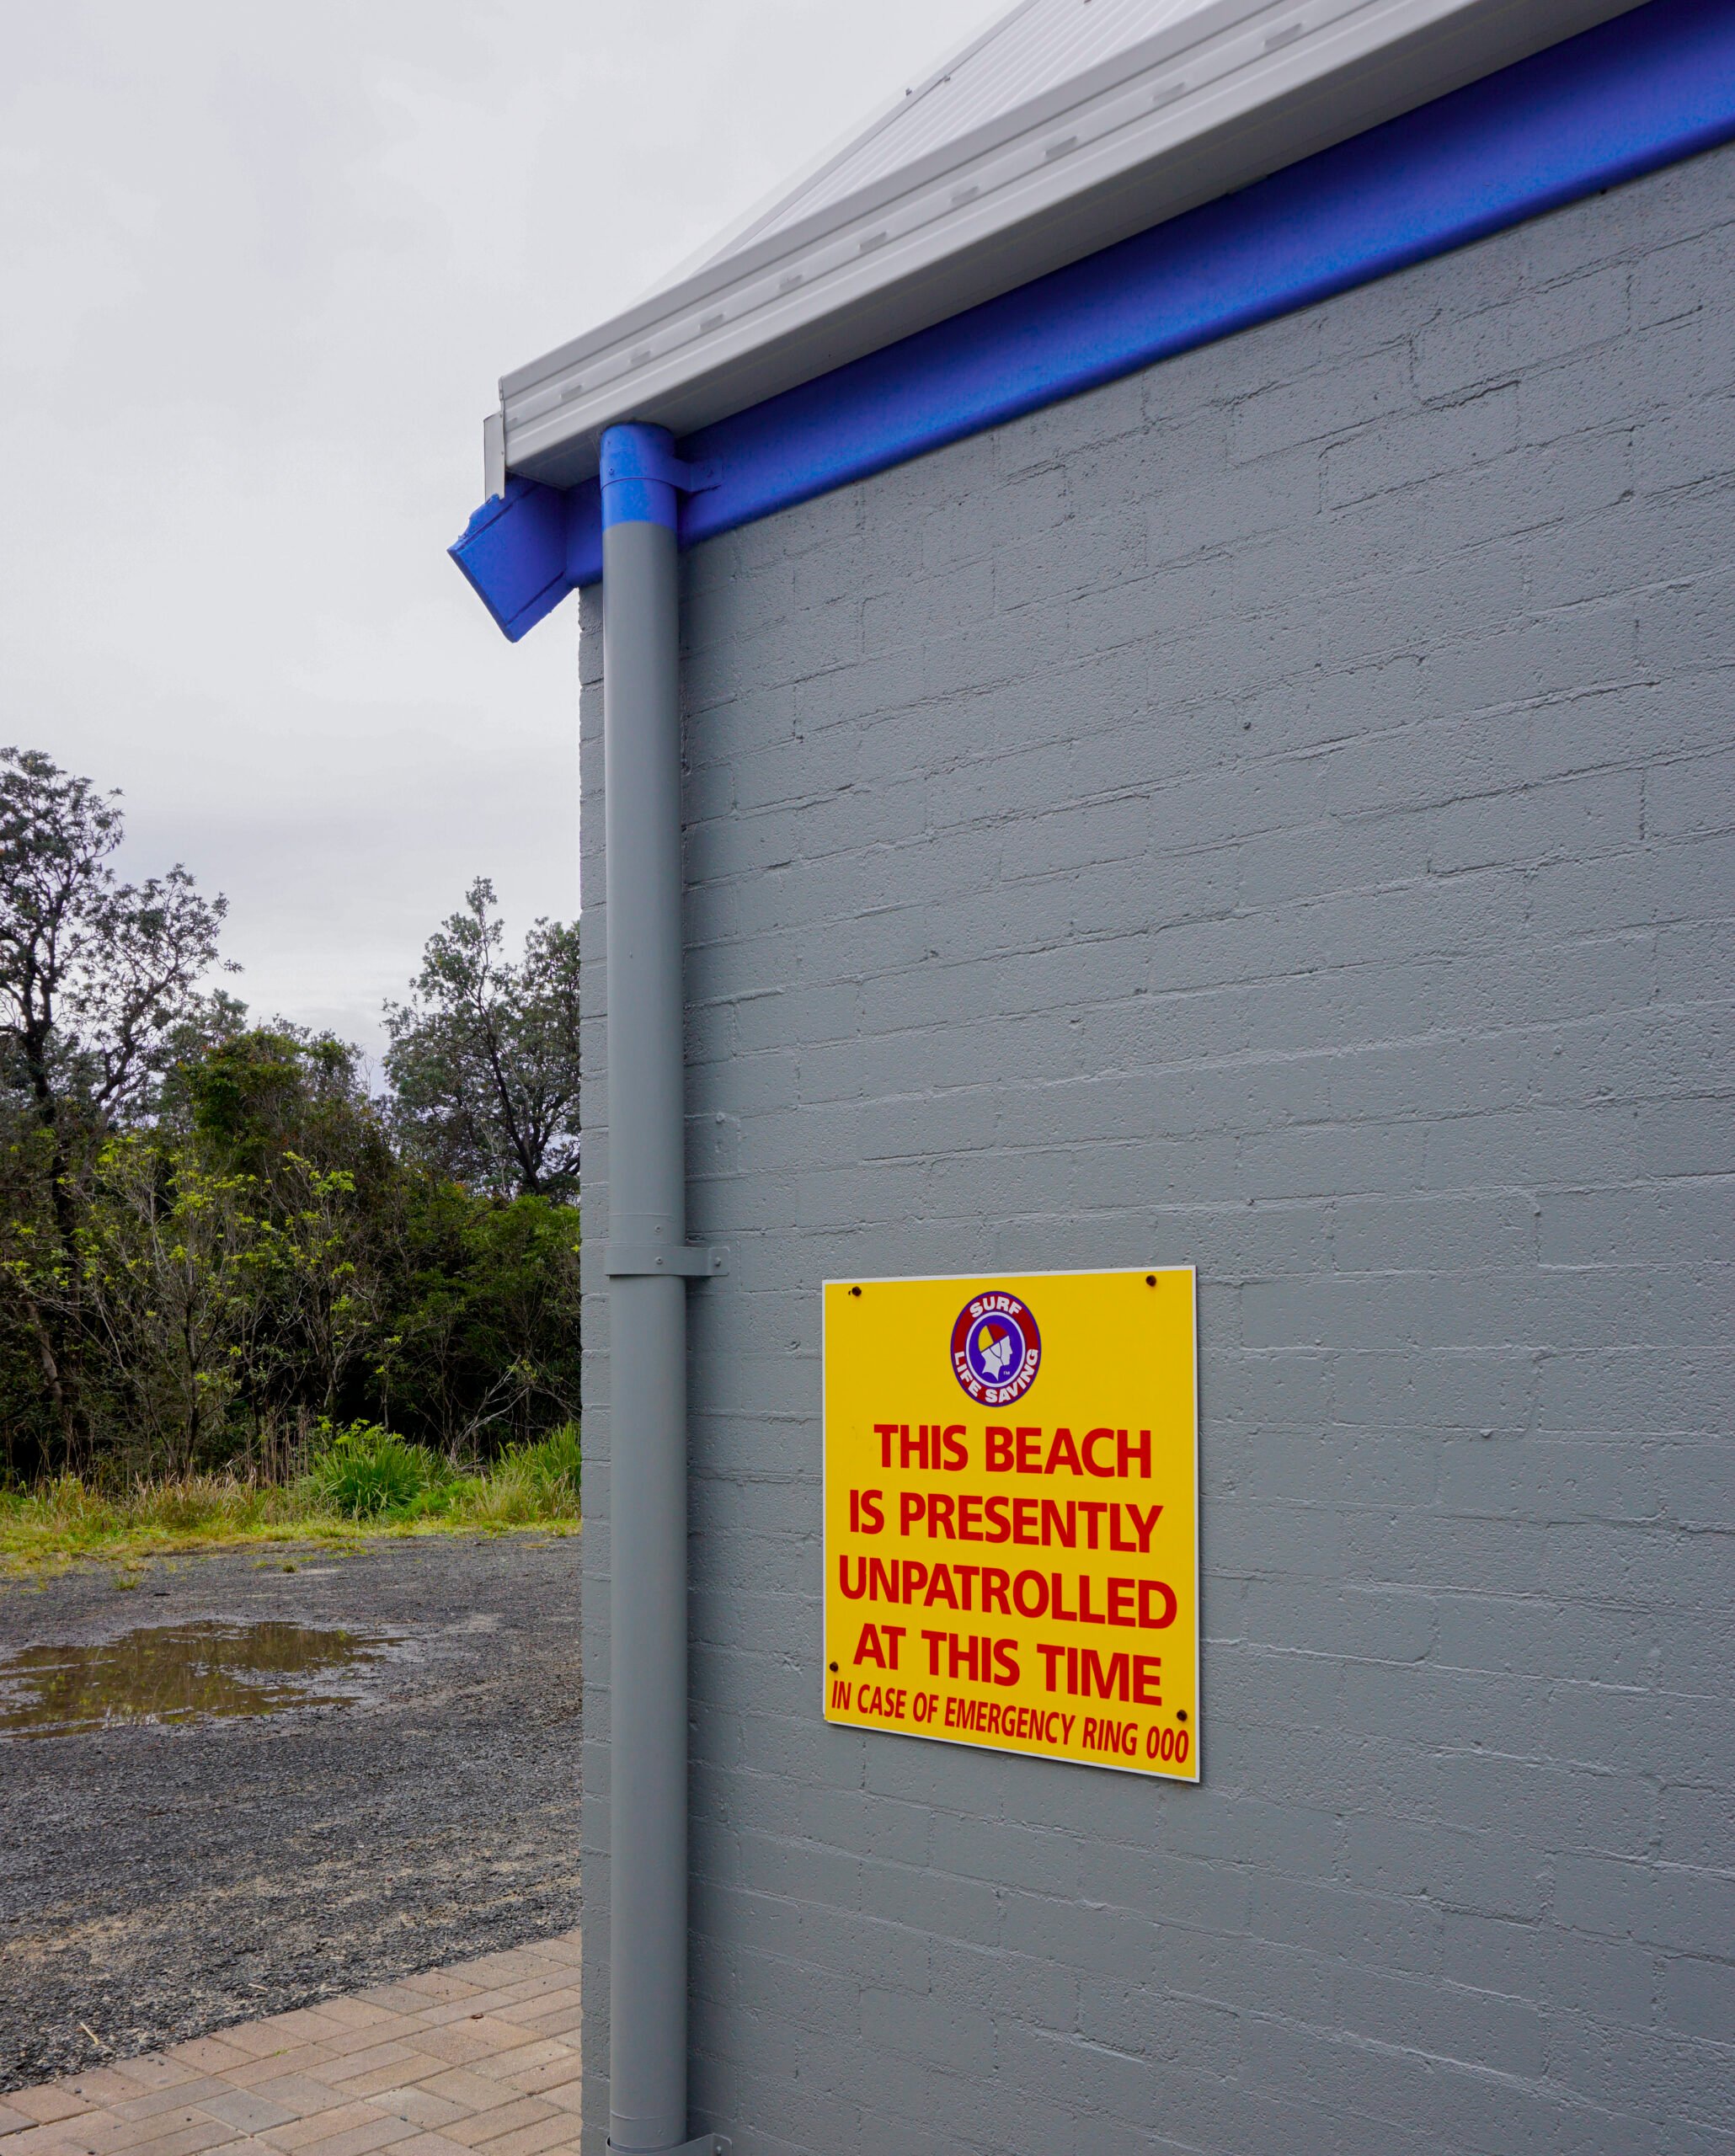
(362, 1472)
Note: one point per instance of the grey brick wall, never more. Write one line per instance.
(1277, 813)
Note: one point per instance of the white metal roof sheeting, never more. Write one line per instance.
(1040, 43)
(1115, 126)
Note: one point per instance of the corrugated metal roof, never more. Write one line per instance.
(1038, 46)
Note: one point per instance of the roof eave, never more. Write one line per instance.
(674, 362)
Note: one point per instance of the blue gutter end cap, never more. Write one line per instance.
(513, 554)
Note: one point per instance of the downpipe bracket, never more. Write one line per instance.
(635, 452)
(645, 1261)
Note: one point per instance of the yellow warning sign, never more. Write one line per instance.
(1011, 1514)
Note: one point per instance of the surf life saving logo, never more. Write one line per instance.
(996, 1348)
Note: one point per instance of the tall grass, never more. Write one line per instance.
(528, 1483)
(361, 1480)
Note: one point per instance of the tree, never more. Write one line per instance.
(211, 1233)
(284, 1110)
(177, 1270)
(271, 1097)
(484, 1060)
(480, 1339)
(99, 983)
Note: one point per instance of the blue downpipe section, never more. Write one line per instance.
(637, 478)
(1637, 94)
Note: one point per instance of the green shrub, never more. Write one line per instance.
(363, 1471)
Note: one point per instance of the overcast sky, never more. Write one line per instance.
(262, 267)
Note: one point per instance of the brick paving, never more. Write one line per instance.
(480, 2059)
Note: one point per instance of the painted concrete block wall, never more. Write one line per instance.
(1277, 813)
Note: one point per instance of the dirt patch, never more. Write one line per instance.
(164, 1874)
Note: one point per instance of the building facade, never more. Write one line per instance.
(1217, 751)
(1278, 812)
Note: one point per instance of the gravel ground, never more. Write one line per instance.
(157, 1881)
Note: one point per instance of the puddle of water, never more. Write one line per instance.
(181, 1672)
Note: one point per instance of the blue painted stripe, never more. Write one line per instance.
(1639, 92)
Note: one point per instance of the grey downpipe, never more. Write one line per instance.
(648, 1261)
